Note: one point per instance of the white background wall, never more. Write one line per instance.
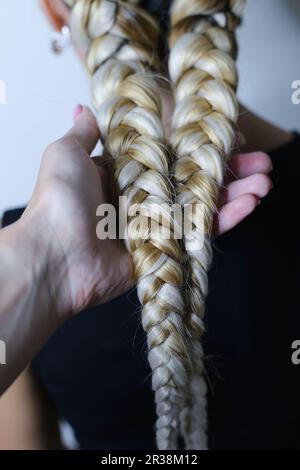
(43, 89)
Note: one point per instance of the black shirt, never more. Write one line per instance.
(95, 368)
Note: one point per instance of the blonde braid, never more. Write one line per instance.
(120, 39)
(204, 76)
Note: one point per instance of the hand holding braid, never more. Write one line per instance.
(203, 72)
(120, 41)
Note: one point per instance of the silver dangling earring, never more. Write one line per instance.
(61, 40)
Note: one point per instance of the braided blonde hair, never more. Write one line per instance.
(120, 40)
(204, 77)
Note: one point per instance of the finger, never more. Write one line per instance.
(234, 212)
(85, 129)
(242, 165)
(259, 185)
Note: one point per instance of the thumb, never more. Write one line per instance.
(85, 128)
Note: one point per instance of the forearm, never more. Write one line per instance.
(26, 312)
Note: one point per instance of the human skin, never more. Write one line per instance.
(49, 272)
(53, 264)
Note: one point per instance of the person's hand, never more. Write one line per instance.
(247, 183)
(81, 269)
(53, 265)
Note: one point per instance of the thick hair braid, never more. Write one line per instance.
(203, 73)
(119, 39)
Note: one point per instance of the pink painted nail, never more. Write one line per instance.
(77, 111)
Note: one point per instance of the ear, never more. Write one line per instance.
(57, 13)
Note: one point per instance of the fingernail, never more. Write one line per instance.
(77, 111)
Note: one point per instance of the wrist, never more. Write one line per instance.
(27, 316)
(18, 263)
(49, 260)
(27, 253)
